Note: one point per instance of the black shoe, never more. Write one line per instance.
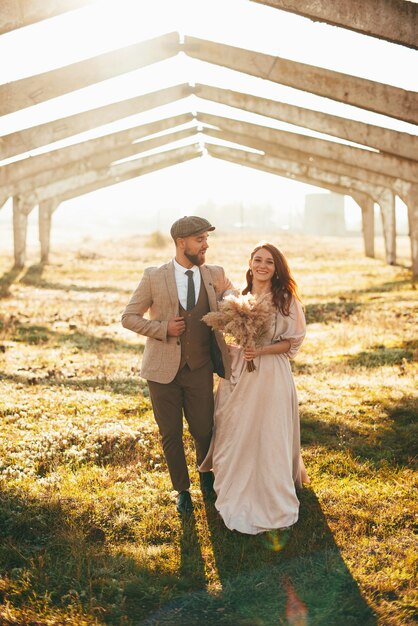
(206, 483)
(184, 503)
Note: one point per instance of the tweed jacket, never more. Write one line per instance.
(157, 295)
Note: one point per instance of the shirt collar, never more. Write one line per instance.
(182, 269)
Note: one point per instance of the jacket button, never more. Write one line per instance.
(178, 342)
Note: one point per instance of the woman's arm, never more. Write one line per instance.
(280, 347)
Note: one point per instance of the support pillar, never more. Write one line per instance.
(412, 204)
(366, 204)
(21, 210)
(386, 201)
(46, 209)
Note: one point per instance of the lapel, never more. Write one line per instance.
(207, 281)
(170, 280)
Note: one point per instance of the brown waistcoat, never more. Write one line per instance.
(195, 341)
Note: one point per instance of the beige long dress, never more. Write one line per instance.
(255, 449)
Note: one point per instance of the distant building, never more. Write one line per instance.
(324, 214)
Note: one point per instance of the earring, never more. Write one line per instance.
(251, 272)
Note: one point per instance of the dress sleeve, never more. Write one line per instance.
(294, 326)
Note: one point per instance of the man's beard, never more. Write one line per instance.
(195, 259)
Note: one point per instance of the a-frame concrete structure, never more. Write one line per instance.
(369, 176)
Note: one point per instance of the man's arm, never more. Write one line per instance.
(133, 315)
(227, 288)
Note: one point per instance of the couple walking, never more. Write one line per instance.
(247, 442)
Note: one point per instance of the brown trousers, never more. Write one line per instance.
(190, 392)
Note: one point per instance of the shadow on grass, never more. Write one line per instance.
(192, 566)
(33, 275)
(57, 568)
(395, 441)
(36, 334)
(56, 561)
(33, 278)
(255, 573)
(381, 355)
(8, 279)
(331, 312)
(126, 386)
(343, 308)
(49, 552)
(393, 285)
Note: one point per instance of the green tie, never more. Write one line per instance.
(191, 298)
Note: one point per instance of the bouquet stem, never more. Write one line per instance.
(250, 366)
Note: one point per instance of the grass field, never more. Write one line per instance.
(88, 530)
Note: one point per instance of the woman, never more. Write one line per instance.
(255, 450)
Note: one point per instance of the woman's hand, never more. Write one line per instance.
(279, 347)
(250, 353)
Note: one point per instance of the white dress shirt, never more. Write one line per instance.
(182, 280)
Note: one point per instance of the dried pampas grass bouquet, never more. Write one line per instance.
(246, 318)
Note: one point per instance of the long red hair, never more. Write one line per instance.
(283, 285)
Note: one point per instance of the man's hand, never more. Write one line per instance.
(176, 327)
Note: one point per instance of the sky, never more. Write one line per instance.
(107, 24)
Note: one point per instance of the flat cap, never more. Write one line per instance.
(190, 225)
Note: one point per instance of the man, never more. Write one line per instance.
(181, 352)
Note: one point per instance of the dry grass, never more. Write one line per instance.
(87, 523)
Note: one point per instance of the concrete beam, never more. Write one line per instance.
(21, 209)
(44, 134)
(295, 155)
(17, 13)
(99, 177)
(412, 203)
(48, 207)
(299, 157)
(382, 139)
(386, 164)
(25, 168)
(3, 198)
(286, 169)
(305, 158)
(366, 94)
(364, 200)
(175, 157)
(370, 180)
(393, 20)
(97, 161)
(281, 167)
(277, 146)
(28, 91)
(312, 176)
